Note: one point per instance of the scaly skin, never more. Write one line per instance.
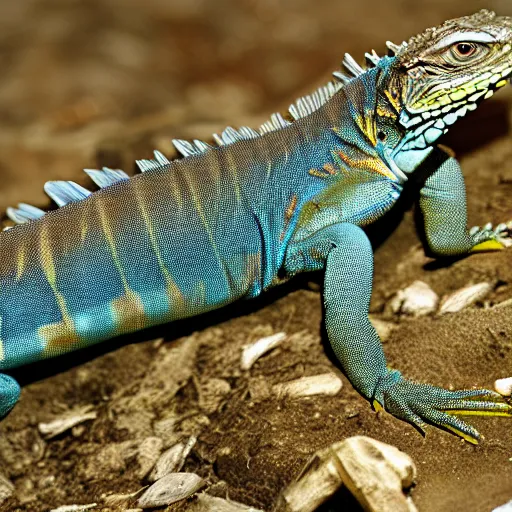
(192, 235)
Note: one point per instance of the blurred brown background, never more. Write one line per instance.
(78, 77)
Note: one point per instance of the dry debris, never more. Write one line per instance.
(251, 353)
(170, 489)
(6, 488)
(418, 299)
(323, 384)
(67, 421)
(374, 472)
(212, 393)
(172, 460)
(206, 503)
(149, 451)
(75, 508)
(465, 297)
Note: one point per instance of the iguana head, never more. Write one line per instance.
(441, 74)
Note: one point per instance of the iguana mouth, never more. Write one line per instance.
(432, 124)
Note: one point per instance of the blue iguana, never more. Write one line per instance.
(229, 221)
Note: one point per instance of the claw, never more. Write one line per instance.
(466, 431)
(488, 245)
(420, 404)
(489, 239)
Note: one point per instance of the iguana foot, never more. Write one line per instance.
(420, 404)
(489, 239)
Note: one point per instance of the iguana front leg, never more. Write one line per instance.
(443, 204)
(345, 252)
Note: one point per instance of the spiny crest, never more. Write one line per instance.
(64, 192)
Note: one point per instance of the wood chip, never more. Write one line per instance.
(172, 460)
(504, 386)
(323, 384)
(464, 297)
(75, 508)
(66, 422)
(170, 489)
(251, 353)
(374, 472)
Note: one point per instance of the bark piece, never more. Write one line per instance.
(374, 472)
(464, 297)
(323, 384)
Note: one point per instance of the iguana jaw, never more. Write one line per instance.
(444, 73)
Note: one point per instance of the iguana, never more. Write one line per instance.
(228, 222)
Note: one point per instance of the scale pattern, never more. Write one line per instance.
(229, 221)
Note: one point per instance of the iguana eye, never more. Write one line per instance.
(463, 51)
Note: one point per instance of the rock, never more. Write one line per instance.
(418, 299)
(504, 386)
(374, 472)
(170, 489)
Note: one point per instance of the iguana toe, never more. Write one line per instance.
(420, 404)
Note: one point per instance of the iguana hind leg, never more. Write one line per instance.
(347, 256)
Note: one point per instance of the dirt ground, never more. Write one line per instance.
(102, 82)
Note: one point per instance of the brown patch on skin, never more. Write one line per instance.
(317, 173)
(129, 313)
(288, 214)
(177, 302)
(60, 337)
(369, 164)
(326, 171)
(329, 168)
